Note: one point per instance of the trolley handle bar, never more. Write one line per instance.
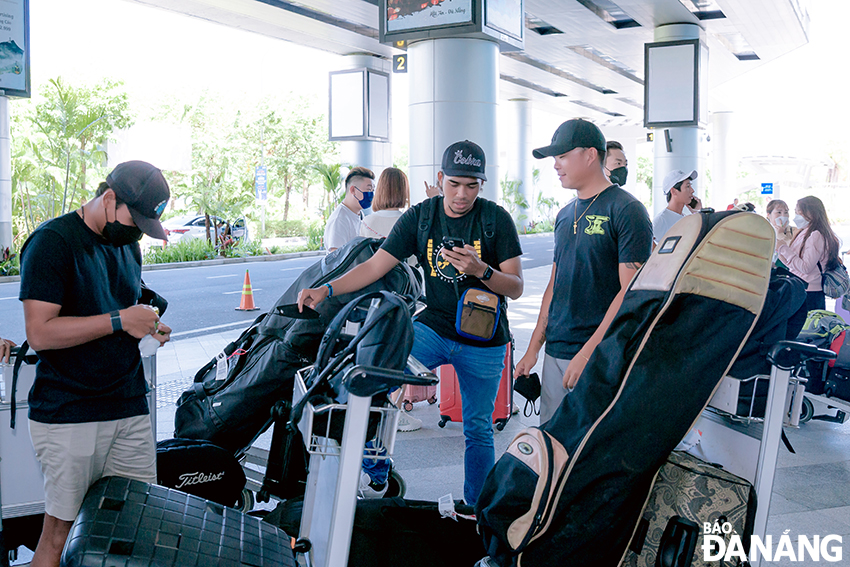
(787, 355)
(367, 381)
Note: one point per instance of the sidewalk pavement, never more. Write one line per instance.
(811, 492)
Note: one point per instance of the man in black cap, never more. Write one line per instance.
(80, 286)
(484, 260)
(601, 238)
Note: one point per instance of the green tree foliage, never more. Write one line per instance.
(57, 141)
(333, 193)
(513, 200)
(292, 140)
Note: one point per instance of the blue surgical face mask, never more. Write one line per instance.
(366, 201)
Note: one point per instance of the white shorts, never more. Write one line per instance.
(74, 456)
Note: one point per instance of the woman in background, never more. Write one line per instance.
(811, 251)
(777, 214)
(391, 195)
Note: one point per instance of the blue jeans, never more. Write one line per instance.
(479, 371)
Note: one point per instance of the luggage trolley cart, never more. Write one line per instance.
(334, 470)
(749, 446)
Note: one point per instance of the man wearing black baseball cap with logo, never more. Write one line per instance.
(80, 287)
(457, 253)
(601, 239)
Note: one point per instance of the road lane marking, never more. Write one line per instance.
(5, 298)
(213, 328)
(226, 276)
(240, 291)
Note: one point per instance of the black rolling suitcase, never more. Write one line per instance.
(572, 492)
(127, 522)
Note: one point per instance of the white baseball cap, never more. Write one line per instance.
(676, 176)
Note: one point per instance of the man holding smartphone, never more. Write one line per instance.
(680, 194)
(450, 237)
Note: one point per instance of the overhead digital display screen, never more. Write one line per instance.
(407, 15)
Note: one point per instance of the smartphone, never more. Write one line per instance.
(693, 203)
(452, 242)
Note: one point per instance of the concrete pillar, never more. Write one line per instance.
(684, 143)
(374, 155)
(724, 160)
(453, 96)
(5, 176)
(519, 157)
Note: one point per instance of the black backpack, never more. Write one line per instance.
(230, 403)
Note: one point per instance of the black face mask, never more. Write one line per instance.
(619, 175)
(121, 234)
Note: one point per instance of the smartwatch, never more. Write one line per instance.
(115, 317)
(488, 273)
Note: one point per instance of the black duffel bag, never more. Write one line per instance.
(201, 469)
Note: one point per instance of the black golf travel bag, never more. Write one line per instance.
(572, 491)
(230, 400)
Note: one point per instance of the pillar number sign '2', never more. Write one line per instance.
(400, 63)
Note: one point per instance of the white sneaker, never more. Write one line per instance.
(368, 489)
(407, 422)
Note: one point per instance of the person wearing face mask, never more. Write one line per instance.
(344, 223)
(616, 164)
(81, 280)
(811, 251)
(777, 214)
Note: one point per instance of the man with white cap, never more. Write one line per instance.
(680, 194)
(81, 280)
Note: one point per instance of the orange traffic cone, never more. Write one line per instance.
(247, 303)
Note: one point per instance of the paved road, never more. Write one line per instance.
(204, 299)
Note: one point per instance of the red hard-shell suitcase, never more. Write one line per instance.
(413, 394)
(450, 402)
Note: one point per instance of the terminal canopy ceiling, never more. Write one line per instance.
(582, 58)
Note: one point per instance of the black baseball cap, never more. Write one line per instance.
(572, 134)
(464, 159)
(143, 188)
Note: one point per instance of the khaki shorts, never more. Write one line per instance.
(74, 456)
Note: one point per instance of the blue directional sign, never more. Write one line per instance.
(767, 188)
(260, 182)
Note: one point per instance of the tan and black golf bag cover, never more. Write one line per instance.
(572, 491)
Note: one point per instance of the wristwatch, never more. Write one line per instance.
(115, 318)
(488, 273)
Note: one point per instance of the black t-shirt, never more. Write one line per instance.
(403, 241)
(66, 263)
(614, 229)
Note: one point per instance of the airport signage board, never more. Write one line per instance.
(674, 88)
(767, 188)
(15, 48)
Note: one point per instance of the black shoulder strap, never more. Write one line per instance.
(20, 358)
(488, 221)
(426, 215)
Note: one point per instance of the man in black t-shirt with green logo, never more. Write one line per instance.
(485, 260)
(601, 238)
(80, 285)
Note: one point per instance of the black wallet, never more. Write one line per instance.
(528, 386)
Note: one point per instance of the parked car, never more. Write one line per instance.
(190, 227)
